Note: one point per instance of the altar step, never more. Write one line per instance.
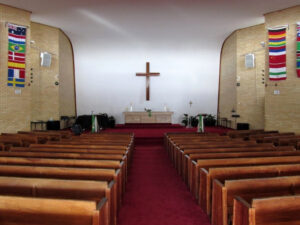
(147, 141)
(149, 125)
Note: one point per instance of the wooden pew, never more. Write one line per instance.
(184, 154)
(64, 173)
(10, 141)
(224, 193)
(260, 137)
(211, 145)
(63, 189)
(78, 163)
(246, 133)
(54, 136)
(267, 211)
(239, 172)
(190, 167)
(26, 139)
(41, 211)
(176, 149)
(75, 153)
(87, 148)
(207, 163)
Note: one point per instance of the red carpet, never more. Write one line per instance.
(155, 193)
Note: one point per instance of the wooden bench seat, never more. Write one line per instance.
(267, 211)
(260, 137)
(181, 154)
(63, 189)
(50, 136)
(232, 144)
(78, 163)
(40, 211)
(245, 133)
(10, 141)
(186, 159)
(26, 139)
(208, 163)
(65, 173)
(239, 172)
(190, 167)
(224, 193)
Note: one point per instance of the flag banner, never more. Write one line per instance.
(16, 55)
(277, 54)
(298, 50)
(200, 127)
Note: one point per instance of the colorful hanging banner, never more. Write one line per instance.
(298, 50)
(277, 54)
(16, 55)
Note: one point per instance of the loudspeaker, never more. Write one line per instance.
(249, 61)
(46, 59)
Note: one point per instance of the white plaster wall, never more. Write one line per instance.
(106, 80)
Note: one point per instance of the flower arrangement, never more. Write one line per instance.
(149, 111)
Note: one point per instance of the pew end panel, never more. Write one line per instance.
(204, 185)
(219, 204)
(242, 212)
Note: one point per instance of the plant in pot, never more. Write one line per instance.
(194, 121)
(185, 119)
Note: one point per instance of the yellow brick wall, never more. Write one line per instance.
(247, 99)
(41, 99)
(251, 92)
(66, 77)
(15, 109)
(45, 95)
(227, 92)
(283, 111)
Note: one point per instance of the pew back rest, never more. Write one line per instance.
(247, 161)
(38, 211)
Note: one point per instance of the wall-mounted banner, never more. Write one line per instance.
(16, 55)
(298, 49)
(277, 54)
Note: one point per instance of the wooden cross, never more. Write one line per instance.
(147, 75)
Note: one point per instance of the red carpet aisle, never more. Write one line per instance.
(155, 194)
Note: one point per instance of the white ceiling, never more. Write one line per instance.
(140, 21)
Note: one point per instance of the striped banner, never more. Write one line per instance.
(298, 49)
(16, 55)
(277, 54)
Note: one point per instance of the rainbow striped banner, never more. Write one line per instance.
(277, 54)
(298, 50)
(16, 55)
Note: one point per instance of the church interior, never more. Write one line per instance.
(149, 112)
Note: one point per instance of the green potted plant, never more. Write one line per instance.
(185, 119)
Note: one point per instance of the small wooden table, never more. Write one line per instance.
(143, 117)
